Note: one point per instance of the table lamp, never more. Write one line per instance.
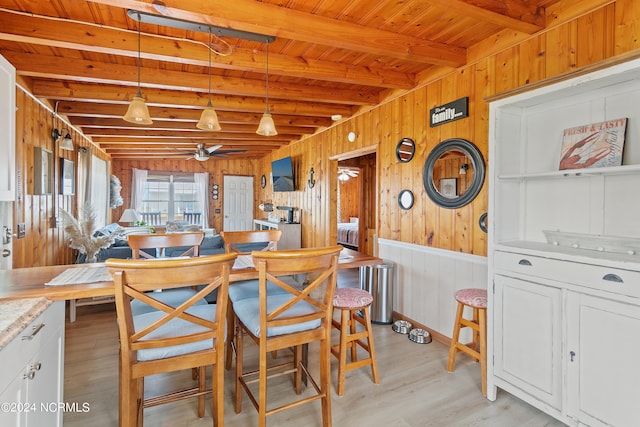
(130, 216)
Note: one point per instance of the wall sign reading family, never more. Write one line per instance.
(454, 110)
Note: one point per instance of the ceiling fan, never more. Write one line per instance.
(203, 154)
(345, 173)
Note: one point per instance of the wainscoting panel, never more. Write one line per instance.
(426, 280)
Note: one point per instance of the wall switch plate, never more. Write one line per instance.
(22, 230)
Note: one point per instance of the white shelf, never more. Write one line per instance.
(613, 170)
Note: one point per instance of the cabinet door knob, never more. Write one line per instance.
(572, 354)
(524, 262)
(613, 278)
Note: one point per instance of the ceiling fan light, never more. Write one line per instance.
(138, 112)
(209, 119)
(343, 177)
(267, 127)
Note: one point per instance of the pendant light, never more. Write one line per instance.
(267, 127)
(138, 112)
(209, 118)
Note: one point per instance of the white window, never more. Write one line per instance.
(173, 196)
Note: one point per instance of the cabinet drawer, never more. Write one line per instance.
(608, 279)
(15, 355)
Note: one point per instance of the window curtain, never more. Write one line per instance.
(138, 180)
(202, 190)
(99, 190)
(84, 177)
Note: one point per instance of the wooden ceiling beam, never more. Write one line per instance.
(248, 15)
(93, 109)
(213, 139)
(183, 147)
(91, 92)
(110, 41)
(53, 67)
(514, 14)
(223, 134)
(92, 125)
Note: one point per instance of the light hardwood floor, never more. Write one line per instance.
(415, 388)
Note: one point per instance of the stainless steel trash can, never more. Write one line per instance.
(378, 280)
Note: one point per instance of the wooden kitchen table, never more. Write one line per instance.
(30, 282)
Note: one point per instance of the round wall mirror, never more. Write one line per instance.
(453, 173)
(405, 199)
(482, 222)
(405, 150)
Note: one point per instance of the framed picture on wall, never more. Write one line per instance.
(449, 187)
(67, 177)
(43, 171)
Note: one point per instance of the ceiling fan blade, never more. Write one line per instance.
(223, 153)
(213, 148)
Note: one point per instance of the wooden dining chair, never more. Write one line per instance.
(169, 338)
(160, 242)
(238, 242)
(235, 240)
(288, 320)
(189, 244)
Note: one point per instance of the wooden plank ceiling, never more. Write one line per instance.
(329, 57)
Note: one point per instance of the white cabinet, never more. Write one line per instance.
(32, 379)
(564, 253)
(602, 371)
(291, 233)
(528, 345)
(7, 130)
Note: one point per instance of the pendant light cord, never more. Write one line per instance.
(267, 107)
(139, 23)
(209, 103)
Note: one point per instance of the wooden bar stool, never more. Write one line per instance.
(477, 300)
(349, 301)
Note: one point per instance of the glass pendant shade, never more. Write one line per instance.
(267, 127)
(67, 142)
(209, 119)
(138, 112)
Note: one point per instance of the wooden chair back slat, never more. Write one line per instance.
(137, 242)
(233, 238)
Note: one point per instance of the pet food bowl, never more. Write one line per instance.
(401, 326)
(420, 336)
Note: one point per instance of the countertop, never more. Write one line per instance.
(15, 315)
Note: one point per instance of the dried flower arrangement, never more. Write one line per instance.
(81, 232)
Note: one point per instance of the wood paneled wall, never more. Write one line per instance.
(577, 36)
(45, 242)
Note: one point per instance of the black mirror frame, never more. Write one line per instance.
(477, 165)
(482, 222)
(401, 143)
(400, 201)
